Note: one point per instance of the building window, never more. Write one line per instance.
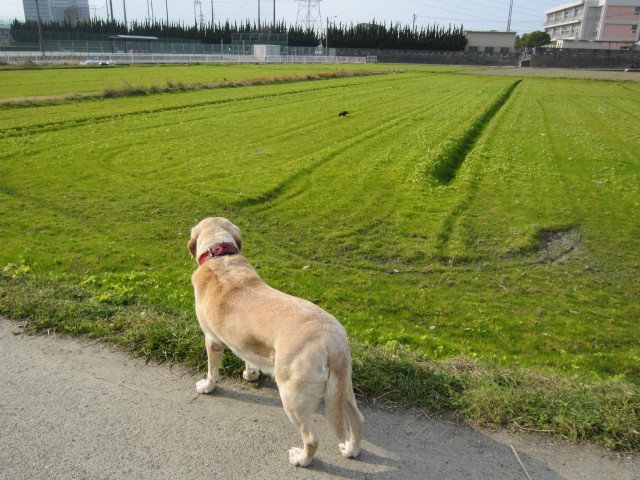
(634, 28)
(637, 12)
(488, 49)
(505, 50)
(473, 49)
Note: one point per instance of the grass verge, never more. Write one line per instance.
(604, 412)
(132, 90)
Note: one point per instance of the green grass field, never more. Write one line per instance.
(489, 220)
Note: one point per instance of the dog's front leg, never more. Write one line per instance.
(251, 373)
(214, 354)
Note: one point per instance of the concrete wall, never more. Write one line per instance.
(577, 58)
(434, 57)
(543, 58)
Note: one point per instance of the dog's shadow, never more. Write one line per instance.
(400, 444)
(372, 458)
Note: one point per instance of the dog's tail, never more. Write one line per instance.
(340, 402)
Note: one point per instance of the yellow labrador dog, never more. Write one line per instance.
(303, 347)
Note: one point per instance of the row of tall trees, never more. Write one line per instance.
(375, 35)
(99, 29)
(363, 35)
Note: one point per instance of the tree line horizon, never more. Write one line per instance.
(372, 35)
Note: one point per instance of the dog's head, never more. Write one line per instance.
(211, 231)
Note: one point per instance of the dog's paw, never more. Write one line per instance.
(349, 450)
(205, 386)
(251, 374)
(298, 457)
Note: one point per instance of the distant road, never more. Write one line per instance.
(70, 409)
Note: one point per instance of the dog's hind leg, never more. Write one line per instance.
(340, 402)
(214, 354)
(351, 448)
(300, 408)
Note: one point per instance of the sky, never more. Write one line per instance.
(527, 15)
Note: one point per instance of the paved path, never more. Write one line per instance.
(70, 409)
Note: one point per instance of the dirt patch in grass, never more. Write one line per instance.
(557, 246)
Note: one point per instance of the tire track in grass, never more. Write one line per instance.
(266, 198)
(448, 164)
(454, 151)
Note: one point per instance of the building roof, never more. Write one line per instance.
(564, 7)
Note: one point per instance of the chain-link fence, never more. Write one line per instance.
(153, 46)
(115, 58)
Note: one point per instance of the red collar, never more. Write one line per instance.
(218, 250)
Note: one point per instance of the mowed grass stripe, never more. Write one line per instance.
(15, 120)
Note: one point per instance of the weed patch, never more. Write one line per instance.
(605, 412)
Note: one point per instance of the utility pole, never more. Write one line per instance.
(126, 24)
(414, 21)
(40, 28)
(326, 39)
(258, 15)
(510, 11)
(166, 4)
(274, 13)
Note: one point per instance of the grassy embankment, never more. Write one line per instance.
(474, 234)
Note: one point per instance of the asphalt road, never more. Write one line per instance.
(70, 409)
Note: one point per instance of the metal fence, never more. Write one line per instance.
(153, 47)
(117, 46)
(111, 58)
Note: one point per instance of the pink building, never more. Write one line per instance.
(595, 24)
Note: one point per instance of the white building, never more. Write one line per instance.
(595, 24)
(57, 10)
(490, 41)
(5, 33)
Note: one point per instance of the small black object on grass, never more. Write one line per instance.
(343, 113)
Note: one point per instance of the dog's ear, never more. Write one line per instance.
(193, 242)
